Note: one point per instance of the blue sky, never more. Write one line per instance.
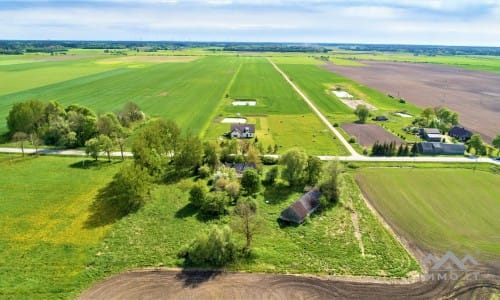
(443, 22)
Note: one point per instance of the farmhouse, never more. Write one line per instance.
(306, 205)
(241, 131)
(434, 148)
(431, 134)
(460, 133)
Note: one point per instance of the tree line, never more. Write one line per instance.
(70, 127)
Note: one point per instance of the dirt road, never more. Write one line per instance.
(171, 284)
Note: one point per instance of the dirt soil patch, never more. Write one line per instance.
(474, 95)
(172, 284)
(163, 94)
(367, 134)
(354, 103)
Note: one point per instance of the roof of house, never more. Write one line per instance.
(241, 167)
(459, 131)
(299, 210)
(381, 118)
(431, 131)
(434, 135)
(440, 148)
(243, 128)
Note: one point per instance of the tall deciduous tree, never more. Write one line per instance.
(362, 112)
(330, 186)
(294, 163)
(93, 147)
(26, 117)
(247, 222)
(313, 170)
(496, 143)
(476, 142)
(21, 138)
(250, 181)
(155, 144)
(106, 145)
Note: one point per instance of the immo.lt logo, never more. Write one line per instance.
(450, 267)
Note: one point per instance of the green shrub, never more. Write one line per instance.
(269, 160)
(214, 204)
(214, 248)
(198, 194)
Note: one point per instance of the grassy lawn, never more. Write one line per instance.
(45, 246)
(439, 209)
(325, 245)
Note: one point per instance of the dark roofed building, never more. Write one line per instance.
(380, 118)
(306, 205)
(440, 148)
(460, 133)
(242, 131)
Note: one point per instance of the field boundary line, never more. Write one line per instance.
(315, 110)
(226, 91)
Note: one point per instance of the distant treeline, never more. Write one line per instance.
(424, 49)
(275, 48)
(60, 47)
(20, 47)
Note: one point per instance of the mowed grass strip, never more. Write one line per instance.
(439, 209)
(45, 246)
(187, 93)
(258, 80)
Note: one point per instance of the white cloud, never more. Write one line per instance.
(380, 21)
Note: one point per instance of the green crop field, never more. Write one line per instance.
(45, 246)
(185, 92)
(281, 115)
(472, 62)
(439, 209)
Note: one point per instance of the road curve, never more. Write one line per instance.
(317, 112)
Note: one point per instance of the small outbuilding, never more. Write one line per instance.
(380, 118)
(242, 131)
(460, 133)
(431, 134)
(306, 205)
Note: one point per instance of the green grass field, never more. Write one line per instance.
(439, 209)
(326, 245)
(45, 246)
(185, 92)
(472, 62)
(281, 115)
(318, 84)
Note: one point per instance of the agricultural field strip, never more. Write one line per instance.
(322, 157)
(318, 113)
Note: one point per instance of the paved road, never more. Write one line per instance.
(444, 159)
(58, 152)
